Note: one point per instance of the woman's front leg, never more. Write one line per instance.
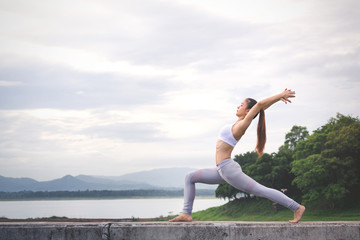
(207, 176)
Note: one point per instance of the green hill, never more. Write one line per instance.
(264, 210)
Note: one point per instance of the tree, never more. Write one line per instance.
(284, 157)
(296, 134)
(264, 170)
(327, 164)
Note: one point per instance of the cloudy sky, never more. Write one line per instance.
(112, 87)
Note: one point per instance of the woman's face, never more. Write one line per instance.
(242, 109)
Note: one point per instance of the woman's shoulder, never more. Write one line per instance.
(239, 128)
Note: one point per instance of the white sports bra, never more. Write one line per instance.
(227, 136)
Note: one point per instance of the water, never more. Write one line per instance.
(114, 208)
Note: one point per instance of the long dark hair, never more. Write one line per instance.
(261, 127)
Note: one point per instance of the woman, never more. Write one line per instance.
(230, 171)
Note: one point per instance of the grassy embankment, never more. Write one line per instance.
(263, 210)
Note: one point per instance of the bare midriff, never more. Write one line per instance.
(223, 151)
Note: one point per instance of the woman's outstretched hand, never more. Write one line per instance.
(286, 94)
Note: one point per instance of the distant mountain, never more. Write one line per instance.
(68, 183)
(163, 177)
(15, 184)
(153, 179)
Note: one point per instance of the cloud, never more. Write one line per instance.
(92, 141)
(9, 83)
(45, 86)
(111, 87)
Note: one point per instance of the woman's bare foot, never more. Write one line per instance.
(184, 217)
(298, 214)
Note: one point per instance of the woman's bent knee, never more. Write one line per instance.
(192, 176)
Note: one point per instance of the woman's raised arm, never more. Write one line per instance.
(264, 104)
(283, 96)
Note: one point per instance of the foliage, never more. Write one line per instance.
(327, 164)
(296, 135)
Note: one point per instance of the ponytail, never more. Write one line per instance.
(261, 134)
(261, 128)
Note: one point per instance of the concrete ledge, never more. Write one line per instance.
(193, 230)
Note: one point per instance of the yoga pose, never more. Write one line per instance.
(228, 170)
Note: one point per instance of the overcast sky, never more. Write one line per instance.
(113, 87)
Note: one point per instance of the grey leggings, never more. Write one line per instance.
(230, 171)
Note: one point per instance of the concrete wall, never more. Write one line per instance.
(194, 230)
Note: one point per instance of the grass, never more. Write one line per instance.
(263, 210)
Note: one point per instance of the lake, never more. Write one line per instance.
(112, 208)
